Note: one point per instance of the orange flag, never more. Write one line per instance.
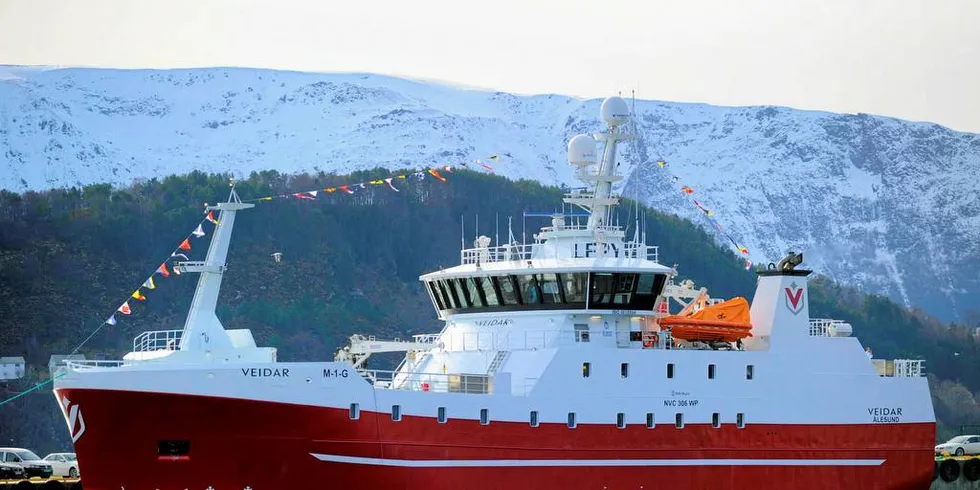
(185, 245)
(435, 173)
(163, 270)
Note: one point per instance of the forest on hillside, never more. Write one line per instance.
(349, 263)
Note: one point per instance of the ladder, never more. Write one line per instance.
(498, 360)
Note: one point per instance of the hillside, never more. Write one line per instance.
(884, 205)
(350, 264)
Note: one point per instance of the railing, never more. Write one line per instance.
(440, 383)
(79, 365)
(522, 252)
(899, 368)
(509, 341)
(157, 340)
(503, 253)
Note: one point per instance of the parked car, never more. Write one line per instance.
(10, 471)
(63, 464)
(960, 445)
(30, 462)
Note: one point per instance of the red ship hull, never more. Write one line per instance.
(239, 444)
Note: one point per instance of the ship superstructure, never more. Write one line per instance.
(574, 361)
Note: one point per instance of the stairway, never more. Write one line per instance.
(498, 360)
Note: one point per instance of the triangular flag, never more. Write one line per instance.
(435, 173)
(402, 176)
(111, 320)
(687, 190)
(185, 245)
(376, 182)
(388, 181)
(211, 217)
(330, 190)
(744, 250)
(124, 308)
(138, 295)
(345, 189)
(661, 163)
(312, 193)
(148, 284)
(198, 232)
(179, 256)
(269, 198)
(494, 157)
(162, 270)
(361, 185)
(447, 168)
(303, 195)
(488, 167)
(748, 264)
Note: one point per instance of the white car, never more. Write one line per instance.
(63, 464)
(960, 445)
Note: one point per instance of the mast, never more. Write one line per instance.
(203, 330)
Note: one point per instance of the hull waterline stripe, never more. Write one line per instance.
(484, 463)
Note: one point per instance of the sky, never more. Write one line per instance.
(911, 59)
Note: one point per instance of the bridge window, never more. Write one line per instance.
(484, 416)
(629, 291)
(571, 420)
(551, 293)
(396, 413)
(508, 292)
(749, 371)
(586, 369)
(534, 418)
(715, 420)
(711, 371)
(740, 421)
(574, 287)
(445, 295)
(355, 411)
(441, 415)
(679, 421)
(621, 420)
(530, 293)
(670, 370)
(489, 291)
(474, 292)
(461, 293)
(651, 423)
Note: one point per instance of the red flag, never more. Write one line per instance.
(211, 218)
(185, 245)
(303, 195)
(345, 189)
(435, 173)
(687, 190)
(162, 270)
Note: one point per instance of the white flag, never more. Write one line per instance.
(199, 232)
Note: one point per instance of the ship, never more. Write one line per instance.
(573, 360)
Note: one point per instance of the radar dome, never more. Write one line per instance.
(582, 150)
(615, 111)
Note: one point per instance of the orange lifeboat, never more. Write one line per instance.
(727, 321)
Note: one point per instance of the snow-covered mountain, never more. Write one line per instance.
(887, 205)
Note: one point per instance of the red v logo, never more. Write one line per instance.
(794, 299)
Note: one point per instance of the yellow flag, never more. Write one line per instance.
(138, 295)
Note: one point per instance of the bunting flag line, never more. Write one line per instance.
(185, 245)
(709, 214)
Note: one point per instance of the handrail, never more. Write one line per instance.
(440, 383)
(156, 340)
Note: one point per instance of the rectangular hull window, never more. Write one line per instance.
(484, 416)
(173, 448)
(715, 420)
(711, 371)
(534, 418)
(441, 415)
(355, 411)
(586, 369)
(624, 370)
(749, 371)
(670, 371)
(679, 421)
(740, 421)
(621, 420)
(396, 413)
(651, 423)
(571, 420)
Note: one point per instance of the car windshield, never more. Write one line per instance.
(958, 439)
(27, 455)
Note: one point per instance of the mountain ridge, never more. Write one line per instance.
(835, 186)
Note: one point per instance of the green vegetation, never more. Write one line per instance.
(349, 264)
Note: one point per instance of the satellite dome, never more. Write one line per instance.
(615, 111)
(582, 150)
